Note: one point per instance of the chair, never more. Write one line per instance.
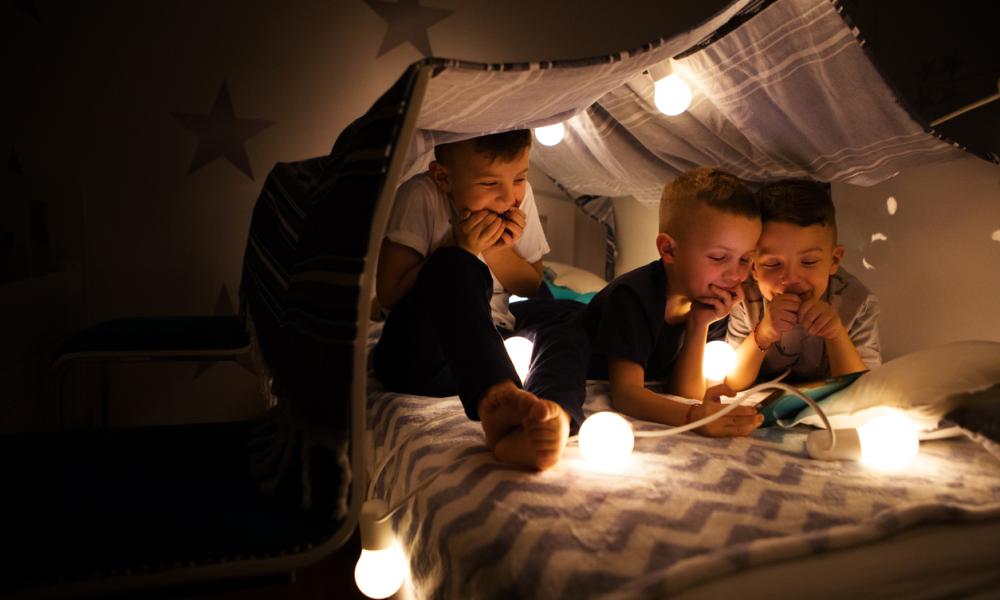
(140, 339)
(114, 510)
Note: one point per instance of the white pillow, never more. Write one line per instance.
(924, 384)
(575, 278)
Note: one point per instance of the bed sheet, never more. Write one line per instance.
(689, 510)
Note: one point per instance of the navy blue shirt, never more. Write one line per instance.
(625, 320)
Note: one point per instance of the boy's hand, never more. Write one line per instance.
(514, 222)
(741, 421)
(477, 231)
(781, 314)
(820, 319)
(708, 310)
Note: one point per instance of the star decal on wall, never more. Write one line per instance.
(221, 133)
(408, 22)
(224, 307)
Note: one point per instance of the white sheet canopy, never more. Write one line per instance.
(788, 92)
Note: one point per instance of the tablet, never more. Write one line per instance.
(780, 405)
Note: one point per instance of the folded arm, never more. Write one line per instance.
(630, 395)
(515, 274)
(398, 266)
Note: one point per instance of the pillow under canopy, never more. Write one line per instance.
(926, 384)
(575, 278)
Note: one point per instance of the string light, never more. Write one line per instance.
(606, 441)
(382, 567)
(519, 349)
(550, 135)
(672, 95)
(718, 361)
(888, 442)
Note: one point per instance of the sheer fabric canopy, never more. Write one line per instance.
(781, 88)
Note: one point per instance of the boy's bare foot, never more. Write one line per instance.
(521, 428)
(547, 429)
(502, 408)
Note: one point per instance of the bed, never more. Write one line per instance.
(691, 517)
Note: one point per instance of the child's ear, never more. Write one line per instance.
(439, 173)
(753, 267)
(838, 256)
(667, 247)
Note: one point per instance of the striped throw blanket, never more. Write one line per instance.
(688, 509)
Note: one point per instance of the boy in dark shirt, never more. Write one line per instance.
(653, 323)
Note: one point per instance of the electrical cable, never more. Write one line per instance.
(772, 384)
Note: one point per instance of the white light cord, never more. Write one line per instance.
(767, 385)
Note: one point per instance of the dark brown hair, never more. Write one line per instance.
(711, 187)
(800, 202)
(505, 146)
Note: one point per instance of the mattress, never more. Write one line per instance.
(690, 516)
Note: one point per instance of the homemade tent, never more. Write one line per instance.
(781, 88)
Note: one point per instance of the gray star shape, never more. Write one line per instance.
(221, 133)
(408, 22)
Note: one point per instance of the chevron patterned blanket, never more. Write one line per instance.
(687, 510)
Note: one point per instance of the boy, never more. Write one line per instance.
(462, 237)
(652, 323)
(802, 311)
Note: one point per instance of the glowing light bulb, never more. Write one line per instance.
(671, 95)
(550, 135)
(382, 567)
(519, 349)
(380, 573)
(718, 361)
(606, 441)
(888, 442)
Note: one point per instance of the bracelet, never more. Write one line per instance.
(687, 419)
(756, 340)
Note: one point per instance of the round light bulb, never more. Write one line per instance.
(606, 440)
(671, 95)
(718, 361)
(519, 349)
(550, 135)
(888, 442)
(380, 573)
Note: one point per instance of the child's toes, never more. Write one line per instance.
(543, 410)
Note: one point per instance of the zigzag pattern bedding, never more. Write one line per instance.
(688, 509)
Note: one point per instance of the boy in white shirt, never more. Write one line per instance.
(462, 237)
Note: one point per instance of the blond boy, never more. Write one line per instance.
(652, 323)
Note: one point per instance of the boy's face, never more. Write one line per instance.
(712, 253)
(475, 183)
(795, 260)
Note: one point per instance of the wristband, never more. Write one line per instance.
(687, 419)
(756, 340)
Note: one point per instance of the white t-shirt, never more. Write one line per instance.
(421, 219)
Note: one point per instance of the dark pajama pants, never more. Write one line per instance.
(440, 339)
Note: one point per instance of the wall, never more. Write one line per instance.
(638, 225)
(937, 273)
(145, 130)
(137, 136)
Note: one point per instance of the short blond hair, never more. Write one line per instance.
(706, 186)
